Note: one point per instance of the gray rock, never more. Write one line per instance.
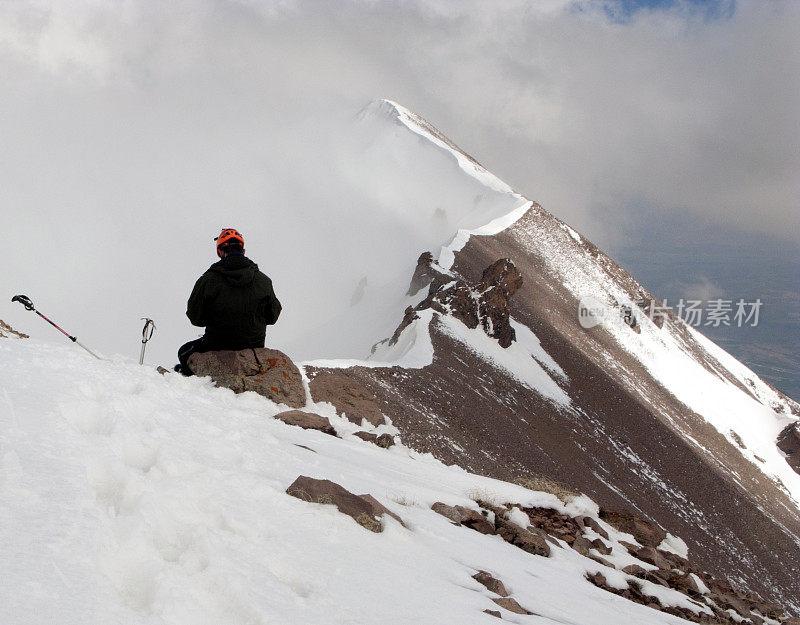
(307, 421)
(268, 372)
(646, 532)
(350, 398)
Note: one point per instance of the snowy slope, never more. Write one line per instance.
(754, 416)
(131, 497)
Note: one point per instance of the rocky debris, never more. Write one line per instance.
(581, 534)
(510, 604)
(587, 521)
(635, 570)
(652, 556)
(307, 421)
(492, 583)
(364, 509)
(482, 304)
(6, 331)
(789, 443)
(645, 532)
(268, 372)
(534, 542)
(493, 613)
(384, 440)
(350, 398)
(464, 516)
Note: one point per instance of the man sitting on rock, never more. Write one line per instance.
(233, 300)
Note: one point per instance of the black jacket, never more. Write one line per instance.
(235, 302)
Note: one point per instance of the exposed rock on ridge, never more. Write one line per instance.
(485, 303)
(789, 443)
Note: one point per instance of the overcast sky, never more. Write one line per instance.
(132, 131)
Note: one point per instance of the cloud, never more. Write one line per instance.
(133, 131)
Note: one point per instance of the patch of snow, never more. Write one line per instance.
(131, 497)
(675, 545)
(701, 585)
(518, 518)
(515, 360)
(417, 124)
(497, 225)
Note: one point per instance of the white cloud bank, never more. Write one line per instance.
(132, 131)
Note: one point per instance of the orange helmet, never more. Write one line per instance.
(227, 235)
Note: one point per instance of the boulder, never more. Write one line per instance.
(384, 440)
(327, 492)
(492, 583)
(635, 570)
(268, 372)
(645, 532)
(654, 557)
(350, 398)
(601, 547)
(379, 509)
(464, 516)
(587, 521)
(534, 541)
(510, 604)
(493, 613)
(582, 546)
(307, 421)
(789, 443)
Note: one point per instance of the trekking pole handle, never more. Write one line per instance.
(24, 300)
(147, 330)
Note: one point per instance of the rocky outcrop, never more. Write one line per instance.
(6, 331)
(307, 421)
(485, 303)
(424, 273)
(789, 443)
(350, 398)
(384, 440)
(268, 372)
(364, 509)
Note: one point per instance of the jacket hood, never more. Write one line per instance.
(237, 270)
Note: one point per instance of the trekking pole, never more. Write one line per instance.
(147, 334)
(28, 304)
